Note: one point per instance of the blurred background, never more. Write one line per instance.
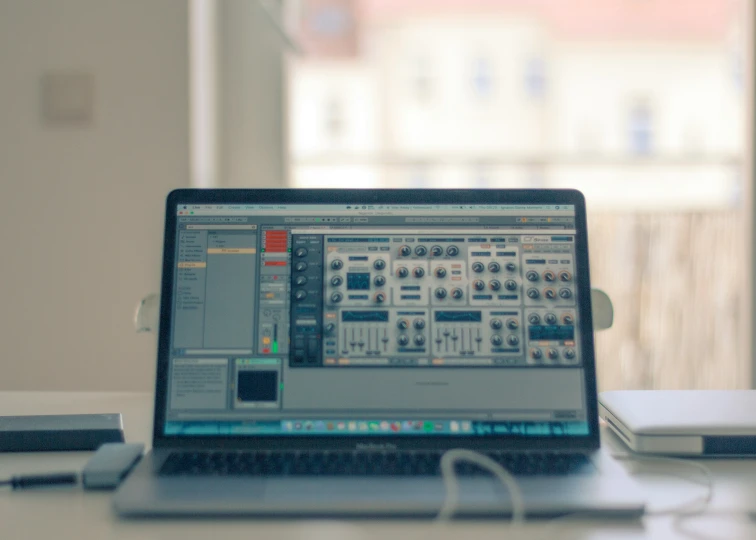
(646, 106)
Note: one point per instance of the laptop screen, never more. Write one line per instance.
(375, 320)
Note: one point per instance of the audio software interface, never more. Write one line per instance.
(430, 300)
(288, 314)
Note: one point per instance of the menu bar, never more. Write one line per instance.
(366, 209)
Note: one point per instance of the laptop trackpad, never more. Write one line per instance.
(354, 490)
(210, 488)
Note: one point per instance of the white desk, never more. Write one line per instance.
(73, 513)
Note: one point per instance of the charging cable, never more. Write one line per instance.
(41, 480)
(450, 506)
(451, 483)
(693, 506)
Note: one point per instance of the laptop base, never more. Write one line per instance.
(608, 492)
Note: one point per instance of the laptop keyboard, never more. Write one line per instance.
(234, 463)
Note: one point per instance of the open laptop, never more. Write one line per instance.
(320, 349)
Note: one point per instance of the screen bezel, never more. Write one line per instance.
(377, 196)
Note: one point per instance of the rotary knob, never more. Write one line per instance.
(568, 319)
(532, 275)
(402, 340)
(513, 340)
(553, 354)
(379, 264)
(478, 285)
(452, 251)
(329, 328)
(379, 281)
(402, 324)
(510, 266)
(533, 293)
(534, 318)
(565, 293)
(440, 272)
(402, 272)
(440, 293)
(564, 275)
(549, 293)
(569, 353)
(510, 285)
(404, 251)
(337, 280)
(419, 339)
(536, 354)
(494, 267)
(496, 340)
(301, 266)
(337, 297)
(420, 251)
(550, 318)
(300, 252)
(496, 324)
(478, 267)
(300, 295)
(300, 280)
(380, 297)
(419, 323)
(549, 275)
(418, 272)
(457, 293)
(437, 251)
(512, 324)
(337, 264)
(495, 284)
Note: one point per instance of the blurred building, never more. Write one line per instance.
(643, 99)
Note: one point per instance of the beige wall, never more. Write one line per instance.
(81, 207)
(251, 95)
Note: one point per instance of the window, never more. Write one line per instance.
(482, 77)
(640, 129)
(642, 106)
(422, 80)
(333, 123)
(535, 77)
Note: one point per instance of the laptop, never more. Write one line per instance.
(319, 351)
(704, 423)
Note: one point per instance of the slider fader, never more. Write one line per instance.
(467, 300)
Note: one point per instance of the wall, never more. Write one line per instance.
(251, 96)
(81, 208)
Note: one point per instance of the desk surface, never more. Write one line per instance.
(73, 513)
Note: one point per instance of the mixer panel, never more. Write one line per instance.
(551, 336)
(548, 271)
(493, 334)
(376, 336)
(399, 300)
(357, 279)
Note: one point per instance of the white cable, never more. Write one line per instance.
(451, 483)
(451, 500)
(450, 506)
(702, 502)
